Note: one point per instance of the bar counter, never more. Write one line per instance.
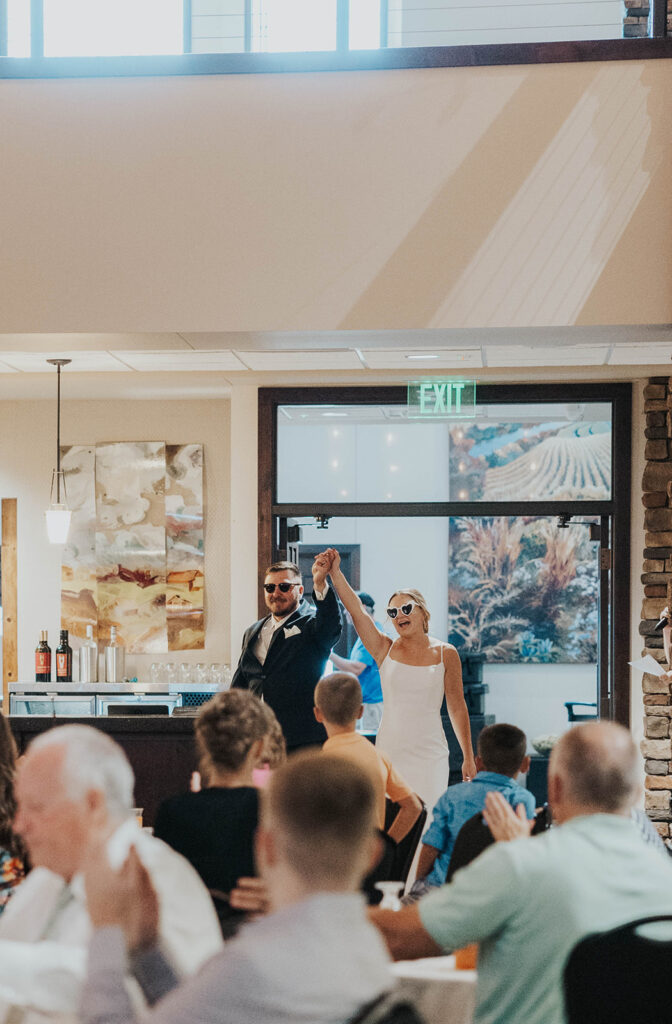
(161, 749)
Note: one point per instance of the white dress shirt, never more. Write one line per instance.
(45, 930)
(272, 625)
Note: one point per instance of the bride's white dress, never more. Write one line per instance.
(411, 732)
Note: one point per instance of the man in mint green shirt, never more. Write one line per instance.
(529, 901)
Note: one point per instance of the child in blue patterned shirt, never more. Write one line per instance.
(501, 756)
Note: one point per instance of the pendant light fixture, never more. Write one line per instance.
(58, 514)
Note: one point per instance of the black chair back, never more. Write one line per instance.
(404, 852)
(471, 840)
(474, 837)
(621, 976)
(388, 1009)
(396, 858)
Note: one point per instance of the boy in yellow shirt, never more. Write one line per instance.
(338, 706)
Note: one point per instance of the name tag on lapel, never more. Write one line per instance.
(291, 631)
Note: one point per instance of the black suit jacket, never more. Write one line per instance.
(293, 665)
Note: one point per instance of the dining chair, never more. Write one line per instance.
(621, 976)
(390, 1008)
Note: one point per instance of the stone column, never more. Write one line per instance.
(657, 581)
(636, 19)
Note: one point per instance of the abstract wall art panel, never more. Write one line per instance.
(79, 595)
(135, 555)
(184, 547)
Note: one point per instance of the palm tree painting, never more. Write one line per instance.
(523, 590)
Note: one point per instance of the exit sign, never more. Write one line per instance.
(441, 399)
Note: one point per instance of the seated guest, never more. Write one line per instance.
(314, 959)
(501, 756)
(275, 750)
(528, 902)
(12, 851)
(338, 706)
(75, 784)
(214, 828)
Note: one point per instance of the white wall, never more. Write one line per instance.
(27, 455)
(533, 696)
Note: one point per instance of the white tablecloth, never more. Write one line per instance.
(441, 993)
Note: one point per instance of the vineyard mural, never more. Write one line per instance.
(552, 461)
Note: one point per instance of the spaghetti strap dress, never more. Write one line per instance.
(411, 732)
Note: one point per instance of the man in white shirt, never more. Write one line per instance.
(284, 654)
(75, 785)
(314, 960)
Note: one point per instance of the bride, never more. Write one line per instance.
(416, 671)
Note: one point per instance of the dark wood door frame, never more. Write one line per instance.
(619, 395)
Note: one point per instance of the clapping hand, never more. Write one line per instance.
(250, 895)
(125, 898)
(505, 823)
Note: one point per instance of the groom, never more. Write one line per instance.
(284, 654)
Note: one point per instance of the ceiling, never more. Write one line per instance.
(206, 365)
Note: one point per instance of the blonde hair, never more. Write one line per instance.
(339, 697)
(416, 596)
(226, 728)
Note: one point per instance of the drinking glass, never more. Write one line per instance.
(391, 892)
(201, 673)
(186, 673)
(171, 673)
(155, 672)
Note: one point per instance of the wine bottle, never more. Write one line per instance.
(43, 659)
(64, 659)
(88, 658)
(115, 656)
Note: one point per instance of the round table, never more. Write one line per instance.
(441, 993)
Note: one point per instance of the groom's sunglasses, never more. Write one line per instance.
(405, 609)
(284, 588)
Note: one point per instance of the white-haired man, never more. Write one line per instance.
(75, 787)
(315, 959)
(528, 902)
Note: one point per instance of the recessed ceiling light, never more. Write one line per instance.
(422, 356)
(334, 414)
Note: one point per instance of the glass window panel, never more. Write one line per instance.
(364, 25)
(82, 28)
(18, 28)
(281, 26)
(363, 453)
(536, 606)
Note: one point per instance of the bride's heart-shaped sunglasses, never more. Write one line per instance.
(405, 609)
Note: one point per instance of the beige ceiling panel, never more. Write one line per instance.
(439, 359)
(275, 361)
(641, 354)
(566, 355)
(180, 361)
(82, 362)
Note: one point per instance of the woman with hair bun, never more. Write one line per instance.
(214, 827)
(416, 672)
